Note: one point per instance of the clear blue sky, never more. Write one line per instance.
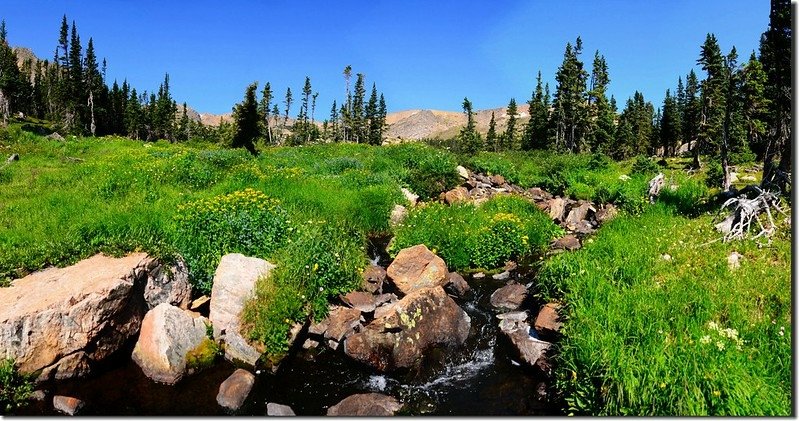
(421, 54)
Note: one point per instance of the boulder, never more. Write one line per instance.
(502, 276)
(278, 410)
(168, 284)
(606, 213)
(402, 335)
(409, 196)
(462, 172)
(557, 207)
(339, 323)
(234, 390)
(234, 282)
(362, 301)
(548, 323)
(365, 405)
(532, 351)
(497, 180)
(509, 297)
(417, 267)
(398, 214)
(458, 194)
(62, 320)
(373, 277)
(583, 227)
(567, 242)
(67, 405)
(167, 336)
(38, 396)
(55, 136)
(538, 194)
(200, 303)
(456, 285)
(578, 214)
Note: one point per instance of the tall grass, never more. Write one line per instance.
(682, 335)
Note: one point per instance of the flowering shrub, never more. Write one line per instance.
(504, 228)
(246, 222)
(320, 263)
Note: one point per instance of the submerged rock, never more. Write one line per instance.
(278, 410)
(234, 283)
(67, 404)
(366, 405)
(62, 320)
(402, 335)
(456, 285)
(532, 351)
(509, 297)
(235, 389)
(417, 267)
(167, 336)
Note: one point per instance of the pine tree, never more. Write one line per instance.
(287, 102)
(536, 131)
(509, 137)
(93, 82)
(382, 114)
(755, 104)
(469, 140)
(265, 109)
(246, 117)
(184, 132)
(374, 132)
(570, 99)
(491, 137)
(775, 54)
(359, 126)
(601, 117)
(74, 81)
(712, 97)
(334, 124)
(346, 111)
(670, 125)
(692, 111)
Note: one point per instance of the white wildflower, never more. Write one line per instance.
(705, 339)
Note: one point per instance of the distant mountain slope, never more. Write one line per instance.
(420, 124)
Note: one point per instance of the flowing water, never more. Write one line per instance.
(482, 377)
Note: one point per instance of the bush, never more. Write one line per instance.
(645, 166)
(15, 388)
(504, 228)
(246, 222)
(432, 175)
(714, 176)
(322, 262)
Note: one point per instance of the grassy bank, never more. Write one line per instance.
(658, 324)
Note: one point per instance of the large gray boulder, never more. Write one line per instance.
(167, 336)
(60, 321)
(234, 284)
(403, 332)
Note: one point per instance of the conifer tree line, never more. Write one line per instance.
(72, 91)
(358, 119)
(733, 111)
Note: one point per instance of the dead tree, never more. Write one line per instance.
(655, 185)
(745, 212)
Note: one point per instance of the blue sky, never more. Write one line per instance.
(421, 54)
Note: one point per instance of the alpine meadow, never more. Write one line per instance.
(569, 253)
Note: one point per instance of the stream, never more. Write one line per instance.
(482, 377)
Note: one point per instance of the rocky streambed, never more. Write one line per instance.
(483, 376)
(117, 336)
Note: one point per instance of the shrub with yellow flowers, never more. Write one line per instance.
(245, 221)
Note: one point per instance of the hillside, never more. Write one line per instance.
(421, 123)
